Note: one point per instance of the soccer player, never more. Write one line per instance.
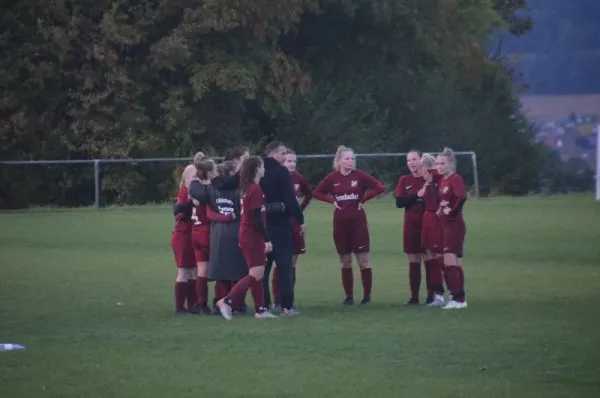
(226, 264)
(304, 195)
(431, 233)
(181, 243)
(253, 240)
(452, 194)
(348, 190)
(407, 198)
(205, 171)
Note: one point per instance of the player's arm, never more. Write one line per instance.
(374, 186)
(289, 196)
(307, 193)
(403, 199)
(259, 225)
(218, 217)
(323, 190)
(200, 192)
(459, 191)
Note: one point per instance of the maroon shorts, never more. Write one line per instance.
(453, 232)
(299, 243)
(351, 234)
(411, 235)
(201, 244)
(181, 243)
(431, 232)
(254, 253)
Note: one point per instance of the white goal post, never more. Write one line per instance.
(470, 154)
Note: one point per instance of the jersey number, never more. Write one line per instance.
(195, 217)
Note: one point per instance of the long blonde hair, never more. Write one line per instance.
(338, 154)
(188, 175)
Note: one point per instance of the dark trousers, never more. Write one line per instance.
(281, 238)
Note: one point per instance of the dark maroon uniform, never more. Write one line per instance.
(414, 207)
(350, 229)
(200, 233)
(453, 195)
(431, 231)
(181, 238)
(304, 191)
(251, 241)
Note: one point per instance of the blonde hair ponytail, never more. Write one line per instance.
(338, 154)
(449, 154)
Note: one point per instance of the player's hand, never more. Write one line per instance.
(195, 202)
(302, 229)
(268, 247)
(421, 192)
(438, 212)
(335, 204)
(232, 216)
(360, 206)
(446, 210)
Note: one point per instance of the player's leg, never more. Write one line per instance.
(412, 248)
(275, 288)
(361, 246)
(434, 277)
(256, 260)
(342, 238)
(180, 288)
(266, 279)
(454, 235)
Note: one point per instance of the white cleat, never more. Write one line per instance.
(266, 314)
(290, 312)
(225, 309)
(454, 305)
(438, 301)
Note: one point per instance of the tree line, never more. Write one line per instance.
(164, 78)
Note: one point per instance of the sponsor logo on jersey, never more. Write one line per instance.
(354, 183)
(346, 196)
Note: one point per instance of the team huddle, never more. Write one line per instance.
(237, 221)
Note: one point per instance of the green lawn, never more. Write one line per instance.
(532, 270)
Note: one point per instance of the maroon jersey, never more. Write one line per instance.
(408, 185)
(431, 197)
(303, 189)
(200, 217)
(348, 191)
(183, 222)
(452, 195)
(253, 199)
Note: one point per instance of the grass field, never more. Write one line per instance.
(531, 330)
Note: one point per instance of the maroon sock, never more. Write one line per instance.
(258, 294)
(366, 274)
(240, 288)
(437, 276)
(191, 296)
(453, 279)
(461, 284)
(414, 277)
(202, 290)
(180, 295)
(348, 281)
(275, 286)
(221, 289)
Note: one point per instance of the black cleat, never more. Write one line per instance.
(348, 301)
(412, 301)
(201, 310)
(182, 312)
(429, 301)
(365, 301)
(215, 311)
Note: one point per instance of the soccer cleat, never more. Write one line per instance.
(412, 301)
(265, 314)
(438, 301)
(276, 307)
(348, 301)
(215, 310)
(181, 312)
(201, 310)
(289, 312)
(454, 305)
(225, 309)
(365, 301)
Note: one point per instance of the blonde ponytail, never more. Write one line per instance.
(338, 154)
(449, 154)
